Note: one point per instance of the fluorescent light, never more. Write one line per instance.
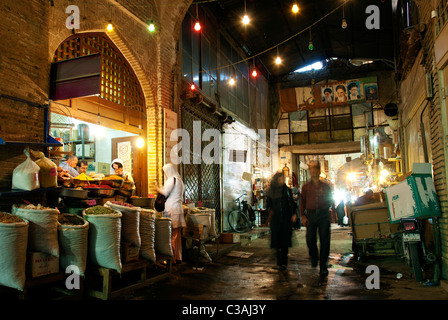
(314, 66)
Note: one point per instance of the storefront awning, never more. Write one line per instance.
(74, 78)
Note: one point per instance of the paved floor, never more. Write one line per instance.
(256, 277)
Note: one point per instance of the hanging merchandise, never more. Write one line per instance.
(14, 238)
(73, 233)
(104, 236)
(48, 173)
(130, 221)
(43, 229)
(163, 237)
(147, 234)
(26, 175)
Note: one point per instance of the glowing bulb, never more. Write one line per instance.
(110, 27)
(351, 176)
(99, 131)
(232, 81)
(193, 87)
(140, 142)
(311, 46)
(278, 60)
(254, 73)
(295, 8)
(384, 173)
(246, 19)
(344, 23)
(151, 27)
(197, 26)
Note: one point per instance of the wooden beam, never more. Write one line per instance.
(324, 148)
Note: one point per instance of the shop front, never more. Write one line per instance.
(98, 110)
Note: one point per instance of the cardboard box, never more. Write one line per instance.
(99, 167)
(229, 238)
(40, 264)
(371, 221)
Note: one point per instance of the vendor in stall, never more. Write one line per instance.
(69, 165)
(82, 166)
(117, 165)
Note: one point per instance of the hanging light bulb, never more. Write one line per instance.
(232, 81)
(151, 27)
(310, 44)
(246, 19)
(110, 26)
(344, 21)
(197, 26)
(295, 8)
(193, 87)
(254, 73)
(278, 60)
(140, 141)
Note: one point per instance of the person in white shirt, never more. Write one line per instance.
(173, 189)
(69, 165)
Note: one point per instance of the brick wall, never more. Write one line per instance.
(436, 124)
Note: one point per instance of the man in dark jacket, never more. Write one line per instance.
(282, 215)
(315, 202)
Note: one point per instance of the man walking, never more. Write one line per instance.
(315, 202)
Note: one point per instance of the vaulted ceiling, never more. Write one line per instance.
(272, 23)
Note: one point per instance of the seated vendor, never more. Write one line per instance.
(117, 165)
(82, 166)
(69, 165)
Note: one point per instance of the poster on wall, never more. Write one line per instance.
(371, 91)
(333, 93)
(124, 152)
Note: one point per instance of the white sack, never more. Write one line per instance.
(104, 239)
(13, 239)
(73, 241)
(163, 237)
(43, 229)
(130, 223)
(147, 234)
(26, 175)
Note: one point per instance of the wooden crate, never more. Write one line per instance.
(109, 277)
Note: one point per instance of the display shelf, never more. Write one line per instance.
(51, 142)
(17, 192)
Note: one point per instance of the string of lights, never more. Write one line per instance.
(295, 9)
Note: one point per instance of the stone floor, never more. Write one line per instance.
(254, 276)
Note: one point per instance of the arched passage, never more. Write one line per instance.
(115, 95)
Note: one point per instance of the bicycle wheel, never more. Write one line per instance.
(238, 221)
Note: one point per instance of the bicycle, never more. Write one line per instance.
(238, 218)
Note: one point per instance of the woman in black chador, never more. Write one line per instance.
(282, 215)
